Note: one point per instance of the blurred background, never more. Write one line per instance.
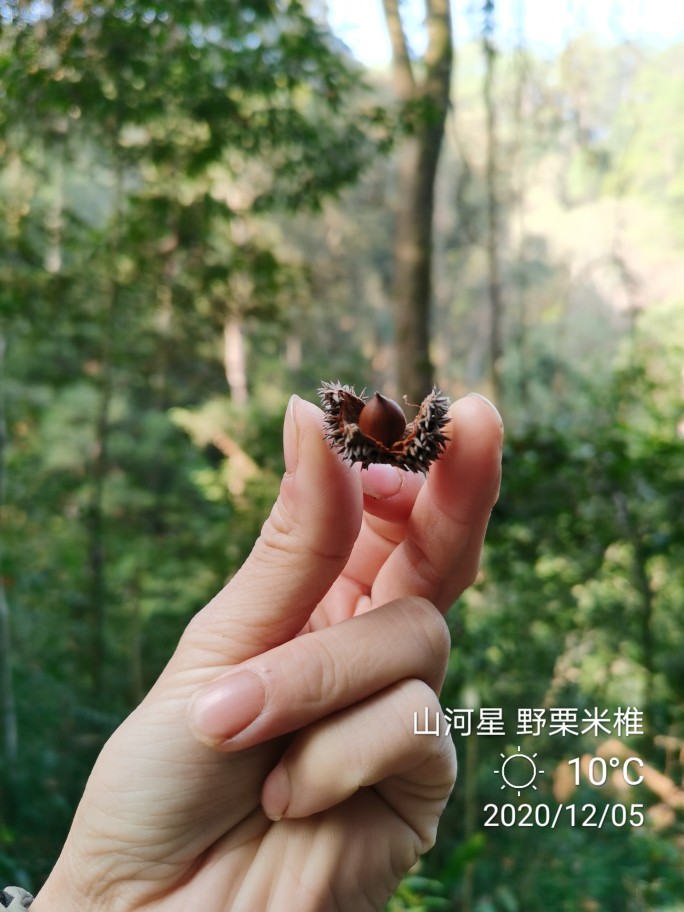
(206, 206)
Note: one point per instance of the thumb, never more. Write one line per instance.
(302, 549)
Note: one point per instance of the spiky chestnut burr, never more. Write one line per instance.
(375, 430)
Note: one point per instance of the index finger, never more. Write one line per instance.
(439, 555)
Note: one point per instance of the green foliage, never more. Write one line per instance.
(135, 199)
(147, 205)
(579, 605)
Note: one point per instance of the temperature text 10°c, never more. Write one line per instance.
(598, 769)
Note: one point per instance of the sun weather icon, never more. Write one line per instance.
(519, 771)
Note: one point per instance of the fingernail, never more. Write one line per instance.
(226, 707)
(381, 481)
(291, 436)
(275, 797)
(490, 404)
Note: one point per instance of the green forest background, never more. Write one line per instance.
(200, 205)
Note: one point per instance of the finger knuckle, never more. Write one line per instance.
(436, 755)
(430, 629)
(322, 678)
(278, 534)
(284, 534)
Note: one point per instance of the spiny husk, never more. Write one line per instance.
(423, 440)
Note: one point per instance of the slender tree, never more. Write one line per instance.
(493, 217)
(423, 87)
(8, 718)
(9, 741)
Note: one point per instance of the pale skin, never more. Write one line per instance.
(299, 786)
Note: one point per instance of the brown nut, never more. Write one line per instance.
(382, 419)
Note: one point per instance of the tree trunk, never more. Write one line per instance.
(235, 360)
(493, 230)
(8, 717)
(629, 526)
(426, 101)
(96, 522)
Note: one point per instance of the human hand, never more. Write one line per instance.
(273, 767)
